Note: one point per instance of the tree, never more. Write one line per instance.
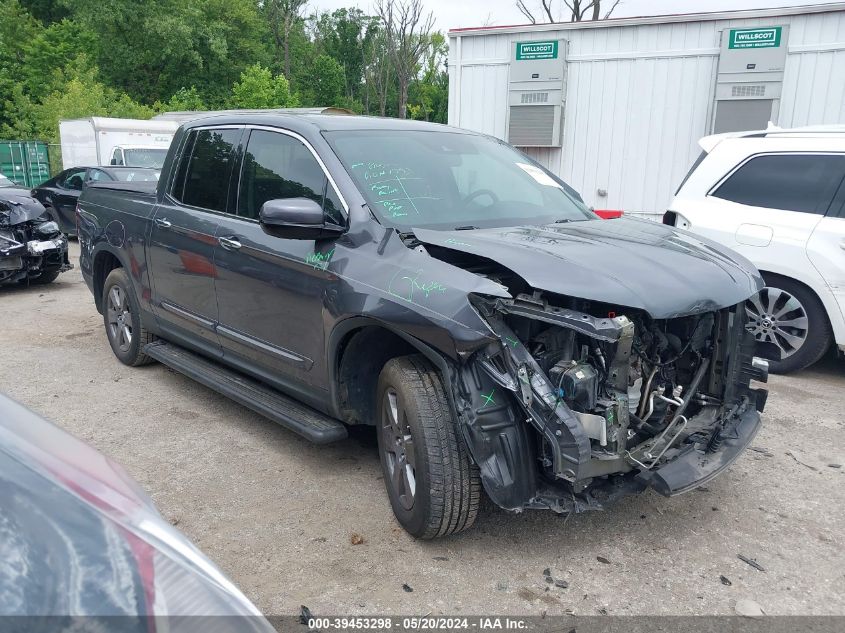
(345, 35)
(377, 72)
(429, 95)
(281, 16)
(184, 99)
(148, 50)
(259, 89)
(46, 11)
(407, 37)
(327, 83)
(578, 10)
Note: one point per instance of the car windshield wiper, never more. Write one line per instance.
(564, 221)
(468, 227)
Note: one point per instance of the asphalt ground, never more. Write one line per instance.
(280, 516)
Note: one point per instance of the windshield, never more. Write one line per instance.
(448, 180)
(145, 157)
(5, 182)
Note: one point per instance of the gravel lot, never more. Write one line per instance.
(277, 514)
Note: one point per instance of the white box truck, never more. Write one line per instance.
(107, 141)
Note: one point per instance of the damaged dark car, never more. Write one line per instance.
(32, 248)
(443, 287)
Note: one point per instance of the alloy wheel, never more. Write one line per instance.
(119, 318)
(777, 317)
(398, 448)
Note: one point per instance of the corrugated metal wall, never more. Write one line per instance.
(638, 97)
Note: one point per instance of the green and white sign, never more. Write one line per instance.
(536, 50)
(755, 38)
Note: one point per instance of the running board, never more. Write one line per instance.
(291, 414)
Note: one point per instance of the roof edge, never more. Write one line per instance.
(829, 7)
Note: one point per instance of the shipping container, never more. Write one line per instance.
(27, 163)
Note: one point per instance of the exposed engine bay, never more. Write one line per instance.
(32, 248)
(617, 401)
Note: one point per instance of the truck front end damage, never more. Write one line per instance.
(580, 402)
(31, 244)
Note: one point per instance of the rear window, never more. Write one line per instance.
(791, 182)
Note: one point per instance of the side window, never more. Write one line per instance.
(279, 166)
(178, 188)
(202, 179)
(74, 180)
(792, 182)
(117, 156)
(95, 175)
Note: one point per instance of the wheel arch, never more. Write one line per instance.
(828, 303)
(359, 347)
(104, 261)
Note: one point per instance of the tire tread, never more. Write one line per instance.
(455, 484)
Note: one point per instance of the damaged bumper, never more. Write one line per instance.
(695, 466)
(21, 259)
(571, 410)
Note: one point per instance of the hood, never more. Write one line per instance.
(17, 205)
(665, 271)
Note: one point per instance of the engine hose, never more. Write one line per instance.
(642, 425)
(646, 392)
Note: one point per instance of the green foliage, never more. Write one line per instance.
(258, 88)
(47, 11)
(82, 95)
(327, 82)
(182, 100)
(429, 96)
(345, 35)
(64, 59)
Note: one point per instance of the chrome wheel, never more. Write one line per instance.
(119, 318)
(398, 447)
(775, 316)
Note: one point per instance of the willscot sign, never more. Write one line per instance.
(536, 50)
(755, 38)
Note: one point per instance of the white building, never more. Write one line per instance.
(616, 107)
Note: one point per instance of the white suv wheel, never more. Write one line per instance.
(775, 316)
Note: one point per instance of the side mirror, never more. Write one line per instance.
(295, 219)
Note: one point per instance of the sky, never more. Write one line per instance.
(450, 14)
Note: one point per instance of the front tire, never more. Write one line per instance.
(433, 486)
(789, 321)
(122, 318)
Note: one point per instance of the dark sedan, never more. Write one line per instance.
(60, 193)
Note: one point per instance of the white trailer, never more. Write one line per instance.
(109, 141)
(616, 107)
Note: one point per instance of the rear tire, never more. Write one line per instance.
(798, 327)
(433, 486)
(122, 318)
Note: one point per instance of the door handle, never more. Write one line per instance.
(163, 223)
(229, 243)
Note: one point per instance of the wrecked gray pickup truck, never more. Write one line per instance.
(32, 248)
(330, 271)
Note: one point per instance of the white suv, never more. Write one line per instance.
(778, 197)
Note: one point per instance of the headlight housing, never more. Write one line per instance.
(46, 229)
